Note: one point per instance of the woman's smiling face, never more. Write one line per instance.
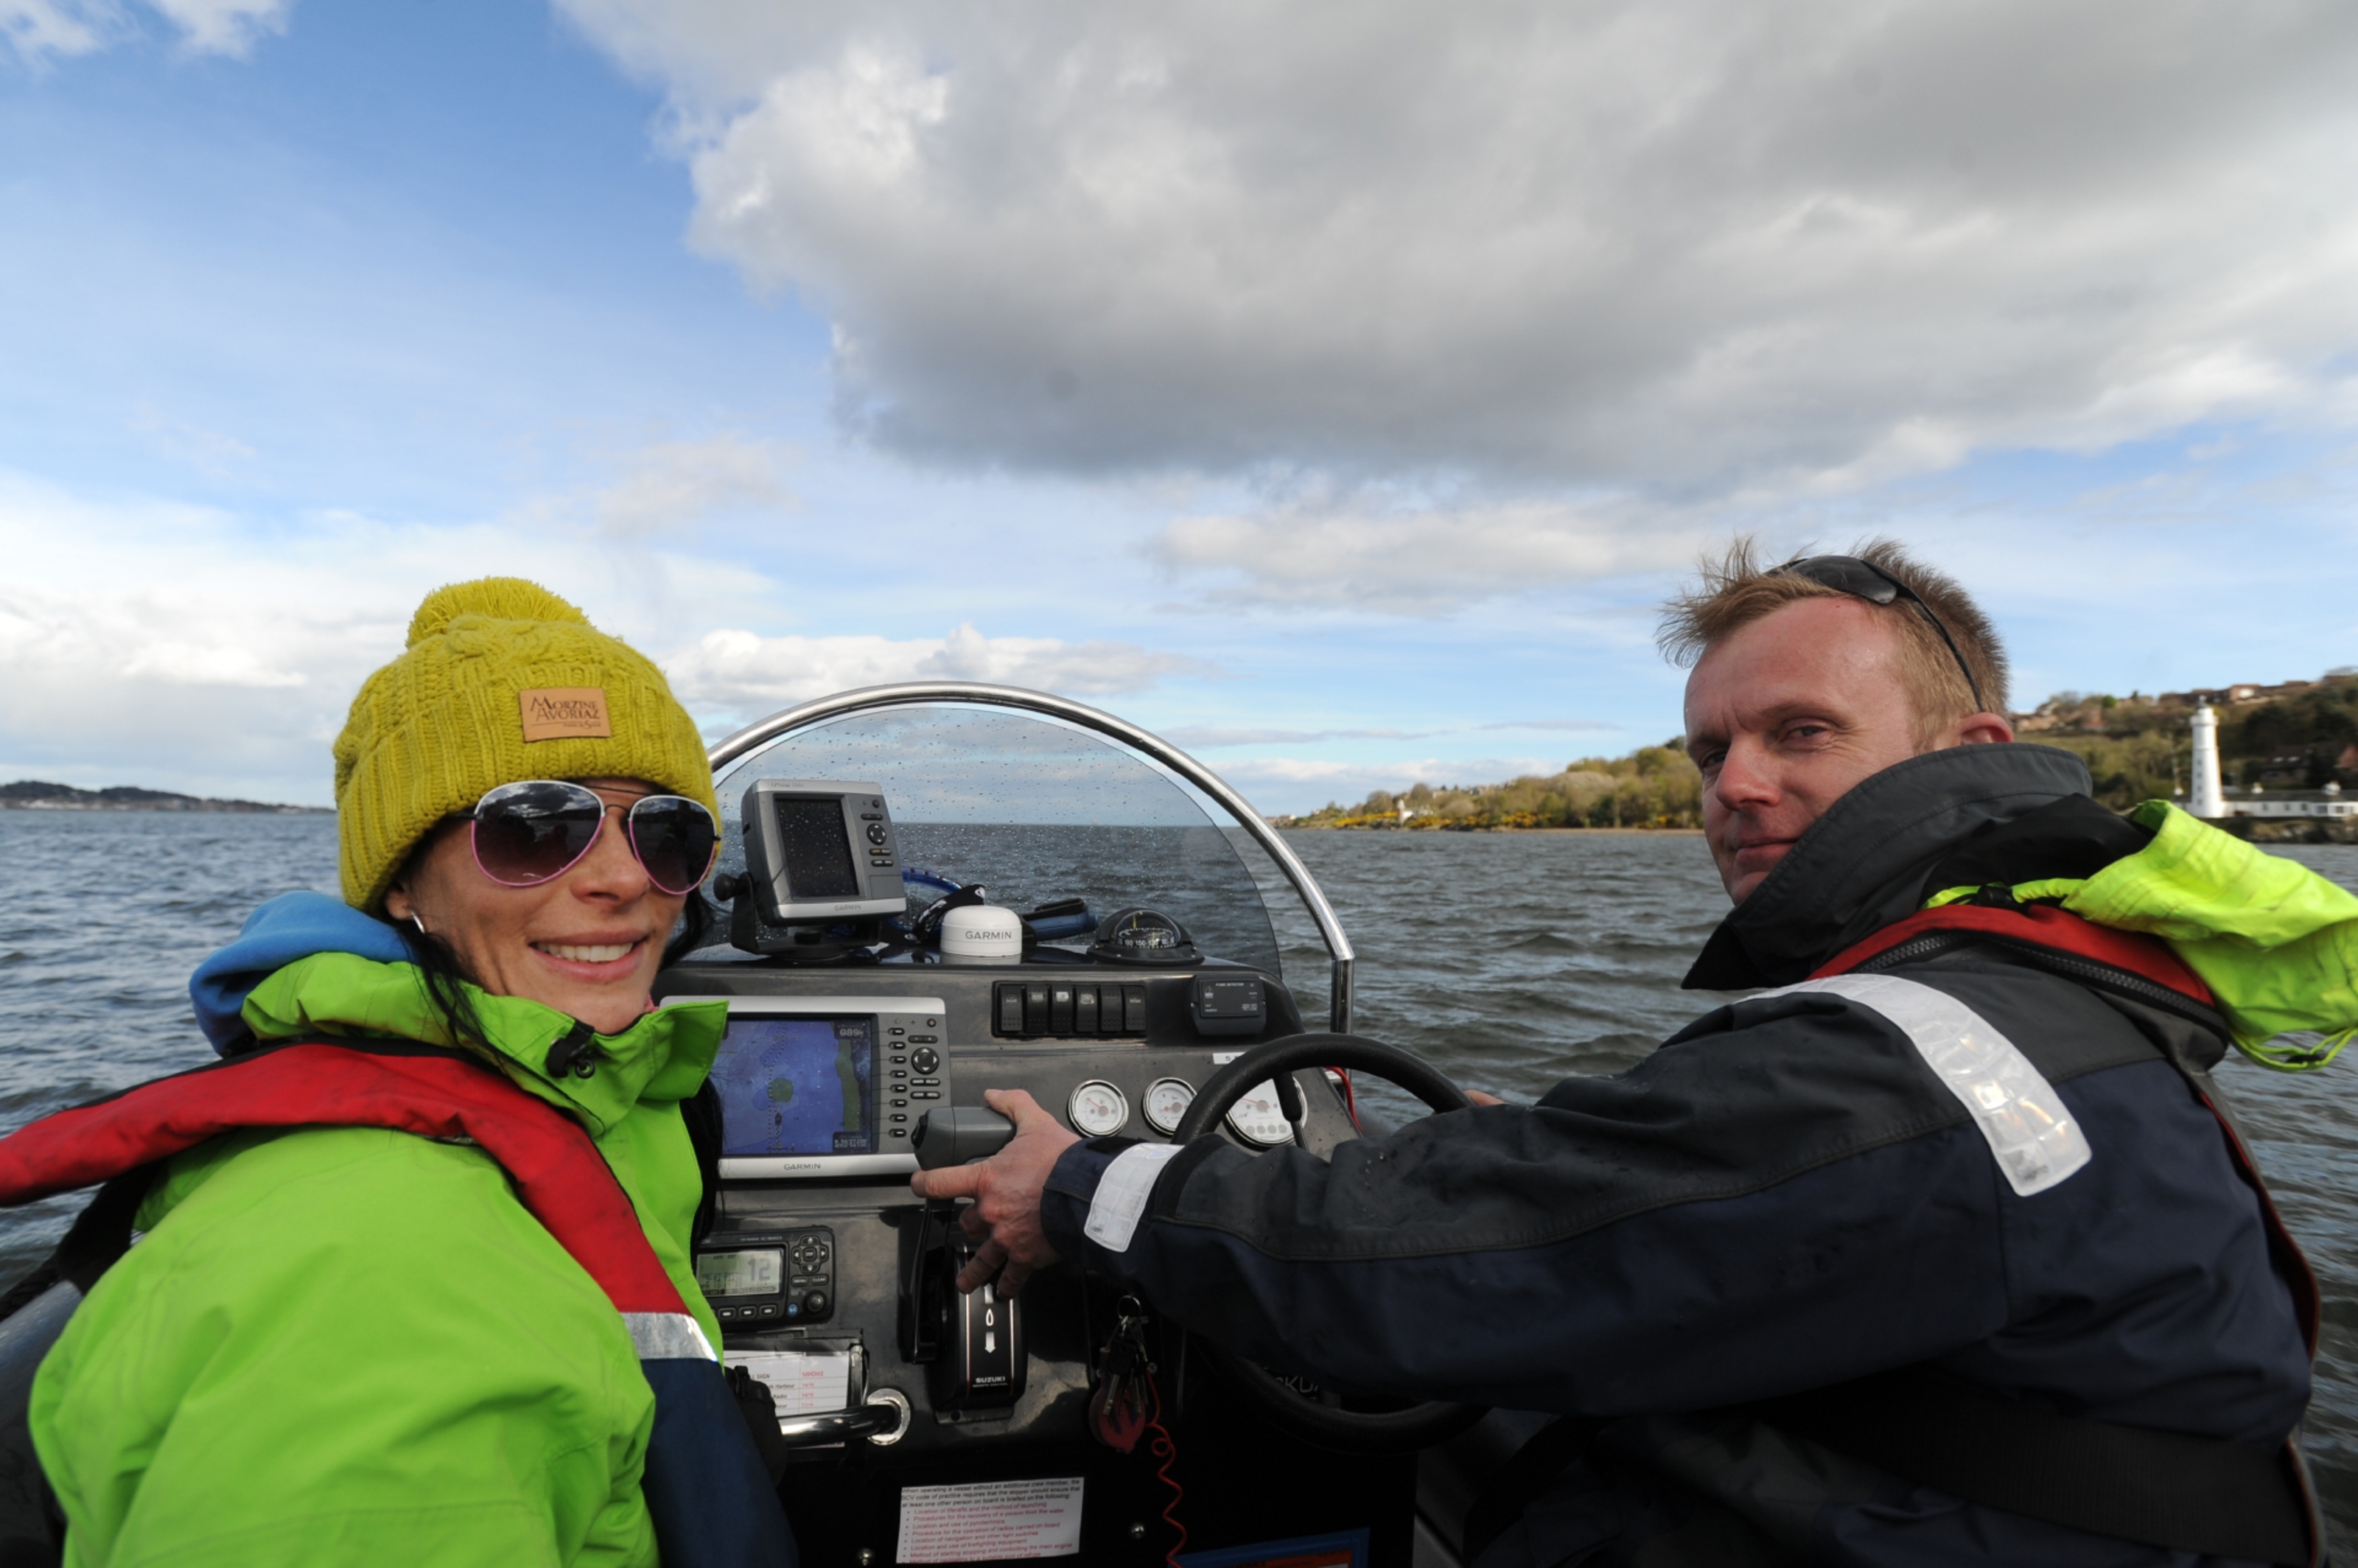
(587, 943)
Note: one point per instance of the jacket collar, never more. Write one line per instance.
(1862, 865)
(662, 1055)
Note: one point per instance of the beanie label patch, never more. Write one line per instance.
(565, 713)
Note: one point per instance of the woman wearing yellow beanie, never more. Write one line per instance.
(417, 1282)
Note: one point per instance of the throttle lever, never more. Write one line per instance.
(1290, 1106)
(959, 1134)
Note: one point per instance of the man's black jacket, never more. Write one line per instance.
(1784, 1195)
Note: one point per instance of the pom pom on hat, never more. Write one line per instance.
(506, 598)
(501, 680)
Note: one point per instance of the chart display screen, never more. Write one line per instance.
(755, 1273)
(797, 1086)
(817, 850)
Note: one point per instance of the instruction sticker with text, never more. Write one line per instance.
(991, 1521)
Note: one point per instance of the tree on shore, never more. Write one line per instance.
(1654, 786)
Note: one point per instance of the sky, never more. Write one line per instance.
(1335, 388)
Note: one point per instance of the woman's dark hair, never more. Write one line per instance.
(446, 980)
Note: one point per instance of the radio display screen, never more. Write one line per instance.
(755, 1273)
(816, 848)
(797, 1086)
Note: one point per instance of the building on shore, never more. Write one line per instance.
(2209, 800)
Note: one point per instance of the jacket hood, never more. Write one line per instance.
(2276, 943)
(1864, 864)
(291, 926)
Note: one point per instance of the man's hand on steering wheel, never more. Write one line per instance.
(1006, 1191)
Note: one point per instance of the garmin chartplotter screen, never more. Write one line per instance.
(797, 1086)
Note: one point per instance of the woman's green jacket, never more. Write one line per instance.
(354, 1346)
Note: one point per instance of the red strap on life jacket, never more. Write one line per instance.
(2039, 925)
(558, 1173)
(2057, 930)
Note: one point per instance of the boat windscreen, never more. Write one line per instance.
(1034, 809)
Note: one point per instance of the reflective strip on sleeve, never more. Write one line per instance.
(1120, 1198)
(2037, 1144)
(668, 1336)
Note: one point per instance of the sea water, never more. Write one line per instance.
(1508, 959)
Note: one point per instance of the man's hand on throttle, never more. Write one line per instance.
(1006, 1192)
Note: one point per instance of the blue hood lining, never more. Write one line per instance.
(291, 926)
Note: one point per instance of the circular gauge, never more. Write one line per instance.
(1256, 1118)
(1098, 1108)
(1168, 1101)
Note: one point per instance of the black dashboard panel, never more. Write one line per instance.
(877, 1224)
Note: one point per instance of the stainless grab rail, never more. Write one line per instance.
(910, 693)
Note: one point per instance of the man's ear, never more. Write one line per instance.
(1984, 730)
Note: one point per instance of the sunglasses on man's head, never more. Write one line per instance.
(1864, 579)
(535, 830)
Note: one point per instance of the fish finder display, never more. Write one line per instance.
(817, 854)
(797, 1086)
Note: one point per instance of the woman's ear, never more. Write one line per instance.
(401, 893)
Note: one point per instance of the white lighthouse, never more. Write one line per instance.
(2204, 798)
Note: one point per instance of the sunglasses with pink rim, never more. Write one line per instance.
(535, 830)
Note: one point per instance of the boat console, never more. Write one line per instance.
(930, 1426)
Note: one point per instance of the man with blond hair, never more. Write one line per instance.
(1941, 1250)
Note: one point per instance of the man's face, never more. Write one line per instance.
(1784, 716)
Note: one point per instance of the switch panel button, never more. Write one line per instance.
(1062, 1010)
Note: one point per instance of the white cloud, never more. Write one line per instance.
(179, 646)
(144, 642)
(225, 27)
(1417, 562)
(210, 452)
(1210, 736)
(669, 485)
(43, 29)
(667, 488)
(1690, 246)
(738, 669)
(1568, 725)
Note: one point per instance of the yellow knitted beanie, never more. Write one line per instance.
(502, 680)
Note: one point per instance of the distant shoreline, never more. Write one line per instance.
(39, 795)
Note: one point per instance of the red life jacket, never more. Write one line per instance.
(705, 1488)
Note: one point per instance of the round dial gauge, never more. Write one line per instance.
(1168, 1101)
(1256, 1118)
(1098, 1108)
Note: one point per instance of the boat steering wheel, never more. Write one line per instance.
(1315, 1415)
